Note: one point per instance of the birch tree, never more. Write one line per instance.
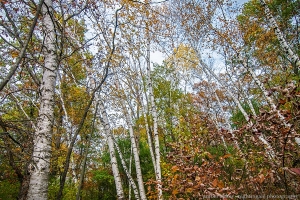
(294, 58)
(155, 130)
(39, 169)
(15, 33)
(113, 159)
(128, 172)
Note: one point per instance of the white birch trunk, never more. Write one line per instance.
(113, 159)
(130, 164)
(248, 101)
(155, 129)
(294, 59)
(136, 156)
(268, 147)
(144, 113)
(149, 137)
(131, 181)
(38, 186)
(268, 98)
(251, 107)
(235, 142)
(217, 124)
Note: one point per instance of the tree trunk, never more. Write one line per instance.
(38, 186)
(294, 59)
(270, 100)
(82, 173)
(155, 129)
(268, 147)
(136, 156)
(113, 159)
(131, 181)
(236, 144)
(147, 126)
(149, 138)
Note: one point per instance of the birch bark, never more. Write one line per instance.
(269, 99)
(236, 144)
(38, 186)
(112, 153)
(294, 58)
(268, 147)
(144, 113)
(156, 136)
(136, 156)
(149, 138)
(131, 181)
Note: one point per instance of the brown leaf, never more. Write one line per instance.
(296, 170)
(211, 189)
(261, 178)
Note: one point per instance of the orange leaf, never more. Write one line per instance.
(282, 101)
(220, 184)
(227, 156)
(215, 183)
(174, 168)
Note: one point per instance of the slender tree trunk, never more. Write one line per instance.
(135, 155)
(294, 58)
(236, 144)
(149, 138)
(144, 113)
(38, 186)
(70, 149)
(155, 129)
(113, 159)
(130, 164)
(270, 100)
(217, 124)
(248, 100)
(82, 173)
(131, 181)
(268, 147)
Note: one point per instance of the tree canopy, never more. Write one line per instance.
(86, 112)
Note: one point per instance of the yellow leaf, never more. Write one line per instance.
(174, 192)
(14, 54)
(189, 190)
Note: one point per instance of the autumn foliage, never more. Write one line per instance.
(219, 118)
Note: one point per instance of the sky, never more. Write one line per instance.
(158, 57)
(241, 1)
